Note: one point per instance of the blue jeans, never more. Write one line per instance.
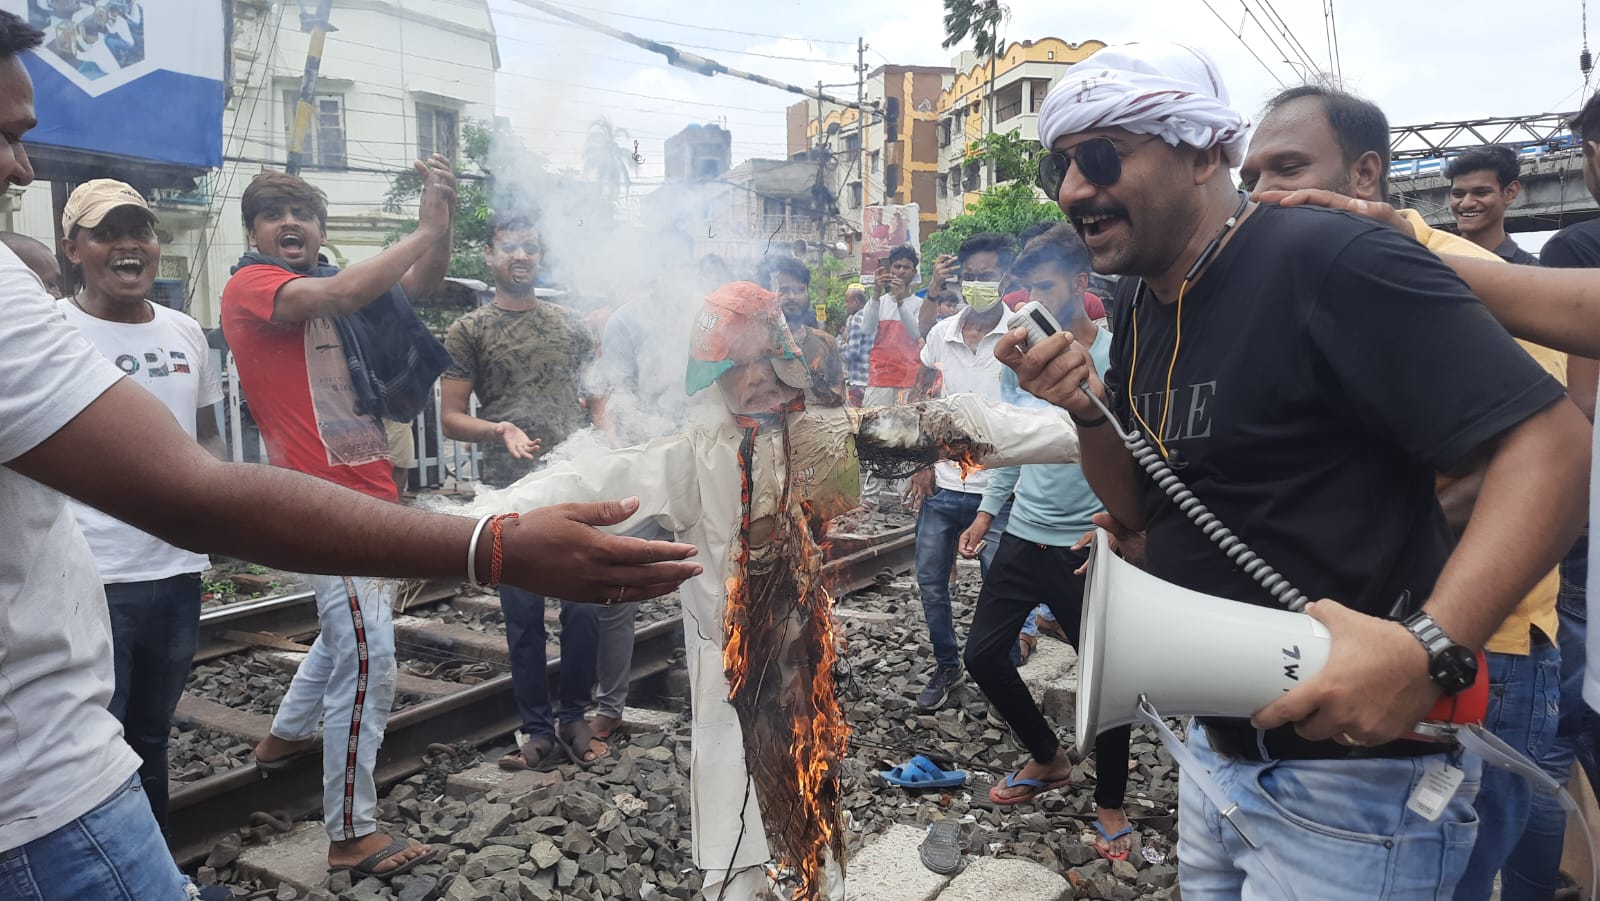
(112, 853)
(1335, 830)
(1533, 870)
(346, 683)
(1031, 626)
(1524, 699)
(530, 679)
(944, 516)
(155, 629)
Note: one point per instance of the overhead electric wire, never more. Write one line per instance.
(691, 62)
(607, 12)
(799, 59)
(1333, 30)
(1240, 35)
(1288, 34)
(1296, 65)
(208, 237)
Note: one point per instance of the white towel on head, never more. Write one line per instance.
(1171, 90)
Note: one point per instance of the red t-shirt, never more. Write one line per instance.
(297, 380)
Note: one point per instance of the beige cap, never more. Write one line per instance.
(92, 200)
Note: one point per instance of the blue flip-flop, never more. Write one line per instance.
(1036, 787)
(1109, 838)
(920, 772)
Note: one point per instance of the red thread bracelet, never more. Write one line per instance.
(496, 556)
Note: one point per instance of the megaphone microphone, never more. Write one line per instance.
(1226, 658)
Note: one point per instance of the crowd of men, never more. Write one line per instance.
(1335, 394)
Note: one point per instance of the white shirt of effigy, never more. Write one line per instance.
(61, 750)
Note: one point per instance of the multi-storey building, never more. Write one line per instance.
(1012, 90)
(399, 79)
(913, 147)
(891, 158)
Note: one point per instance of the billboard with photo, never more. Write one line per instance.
(134, 78)
(887, 227)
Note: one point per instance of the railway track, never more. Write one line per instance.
(204, 811)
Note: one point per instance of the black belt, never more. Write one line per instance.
(1239, 740)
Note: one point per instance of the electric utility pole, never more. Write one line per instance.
(861, 128)
(304, 110)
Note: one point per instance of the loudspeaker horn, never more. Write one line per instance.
(1191, 654)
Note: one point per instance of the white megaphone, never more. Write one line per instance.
(1190, 654)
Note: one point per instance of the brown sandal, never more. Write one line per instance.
(535, 754)
(604, 726)
(577, 735)
(1051, 628)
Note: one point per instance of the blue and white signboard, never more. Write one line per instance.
(136, 78)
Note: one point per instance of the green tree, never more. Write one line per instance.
(472, 202)
(607, 157)
(981, 19)
(1013, 158)
(830, 278)
(1005, 208)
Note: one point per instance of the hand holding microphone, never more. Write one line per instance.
(1050, 364)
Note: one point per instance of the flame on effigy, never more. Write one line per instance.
(779, 656)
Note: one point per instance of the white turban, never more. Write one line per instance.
(1171, 90)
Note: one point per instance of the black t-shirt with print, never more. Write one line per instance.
(1329, 367)
(1574, 247)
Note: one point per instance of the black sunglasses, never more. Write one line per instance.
(1098, 159)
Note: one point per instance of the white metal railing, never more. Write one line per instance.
(439, 459)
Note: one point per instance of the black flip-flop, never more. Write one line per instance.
(941, 850)
(575, 735)
(367, 866)
(543, 748)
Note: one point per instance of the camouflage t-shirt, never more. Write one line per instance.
(525, 367)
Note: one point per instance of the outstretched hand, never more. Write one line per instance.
(517, 442)
(558, 551)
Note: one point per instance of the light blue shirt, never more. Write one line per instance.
(1053, 501)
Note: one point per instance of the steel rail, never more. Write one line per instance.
(205, 811)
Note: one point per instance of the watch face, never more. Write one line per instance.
(1454, 669)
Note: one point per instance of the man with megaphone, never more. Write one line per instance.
(1311, 428)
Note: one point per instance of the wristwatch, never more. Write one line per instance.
(1451, 667)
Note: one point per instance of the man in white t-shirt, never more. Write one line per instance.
(152, 588)
(961, 349)
(73, 822)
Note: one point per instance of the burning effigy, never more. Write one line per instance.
(754, 490)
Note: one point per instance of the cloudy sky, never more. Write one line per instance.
(1421, 60)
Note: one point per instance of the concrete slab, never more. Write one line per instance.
(889, 869)
(298, 858)
(195, 711)
(1051, 674)
(870, 617)
(638, 719)
(488, 777)
(991, 878)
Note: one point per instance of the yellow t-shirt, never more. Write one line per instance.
(1538, 609)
